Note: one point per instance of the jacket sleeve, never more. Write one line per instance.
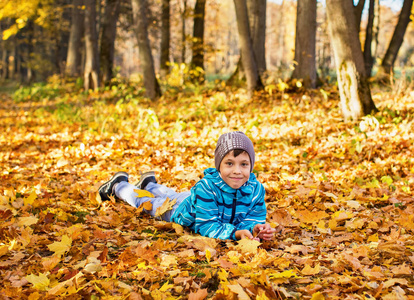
(207, 221)
(257, 212)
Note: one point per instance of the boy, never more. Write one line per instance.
(228, 203)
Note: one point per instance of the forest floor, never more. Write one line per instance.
(343, 193)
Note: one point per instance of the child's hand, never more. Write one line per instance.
(241, 234)
(264, 231)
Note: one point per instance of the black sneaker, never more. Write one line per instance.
(106, 189)
(146, 178)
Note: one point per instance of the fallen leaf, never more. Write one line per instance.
(199, 295)
(29, 200)
(40, 282)
(308, 270)
(143, 193)
(248, 245)
(60, 248)
(239, 291)
(166, 206)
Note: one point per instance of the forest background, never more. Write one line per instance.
(339, 181)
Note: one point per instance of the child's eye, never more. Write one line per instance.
(245, 164)
(229, 163)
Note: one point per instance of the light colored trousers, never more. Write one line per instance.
(125, 191)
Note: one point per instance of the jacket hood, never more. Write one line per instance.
(214, 175)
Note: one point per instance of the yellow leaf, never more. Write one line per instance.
(284, 274)
(40, 282)
(166, 206)
(143, 193)
(373, 238)
(29, 200)
(223, 275)
(61, 247)
(166, 286)
(4, 250)
(178, 228)
(208, 255)
(168, 260)
(34, 296)
(248, 246)
(308, 270)
(318, 296)
(27, 221)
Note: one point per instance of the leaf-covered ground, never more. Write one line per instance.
(343, 193)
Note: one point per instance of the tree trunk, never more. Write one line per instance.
(91, 73)
(183, 36)
(74, 56)
(165, 36)
(108, 35)
(249, 64)
(152, 87)
(197, 60)
(354, 89)
(397, 38)
(305, 43)
(369, 38)
(5, 63)
(359, 8)
(256, 10)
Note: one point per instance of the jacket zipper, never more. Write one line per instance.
(233, 212)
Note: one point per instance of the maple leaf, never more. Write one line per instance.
(93, 265)
(199, 295)
(29, 200)
(40, 282)
(308, 270)
(402, 270)
(143, 193)
(168, 260)
(27, 221)
(147, 205)
(3, 250)
(248, 245)
(285, 274)
(166, 206)
(239, 291)
(50, 262)
(60, 248)
(318, 296)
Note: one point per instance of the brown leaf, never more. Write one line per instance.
(199, 295)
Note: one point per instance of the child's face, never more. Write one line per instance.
(235, 171)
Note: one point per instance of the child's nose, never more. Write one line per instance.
(236, 169)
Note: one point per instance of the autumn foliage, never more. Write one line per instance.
(342, 192)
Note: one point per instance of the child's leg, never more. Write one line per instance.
(125, 191)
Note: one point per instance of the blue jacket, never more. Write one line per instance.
(216, 210)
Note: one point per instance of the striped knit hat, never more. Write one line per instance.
(232, 141)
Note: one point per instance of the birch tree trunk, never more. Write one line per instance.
(152, 87)
(354, 89)
(305, 43)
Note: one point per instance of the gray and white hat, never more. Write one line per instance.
(231, 141)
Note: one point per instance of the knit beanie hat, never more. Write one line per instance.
(231, 141)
